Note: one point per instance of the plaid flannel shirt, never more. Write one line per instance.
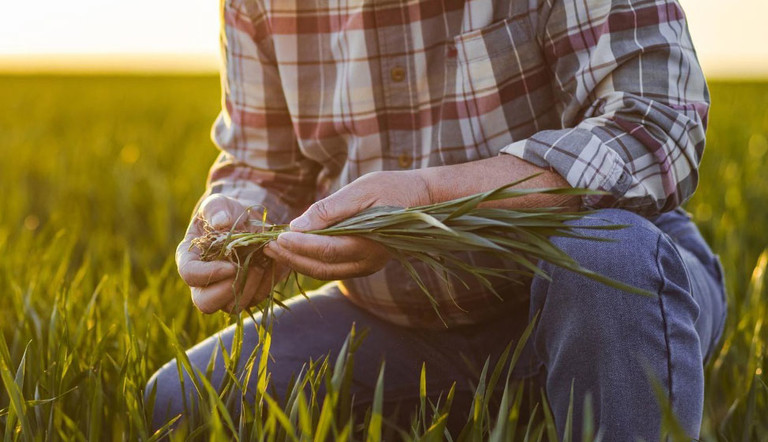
(607, 93)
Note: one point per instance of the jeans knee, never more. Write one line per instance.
(164, 394)
(633, 236)
(629, 254)
(638, 254)
(628, 250)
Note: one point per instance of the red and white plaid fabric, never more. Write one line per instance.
(608, 93)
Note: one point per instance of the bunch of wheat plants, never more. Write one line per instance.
(432, 233)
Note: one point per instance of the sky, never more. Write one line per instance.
(183, 35)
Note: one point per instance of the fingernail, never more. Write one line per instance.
(285, 238)
(220, 219)
(299, 223)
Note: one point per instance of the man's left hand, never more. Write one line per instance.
(343, 257)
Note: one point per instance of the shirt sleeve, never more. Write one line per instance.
(260, 163)
(632, 98)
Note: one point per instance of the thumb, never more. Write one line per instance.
(222, 212)
(325, 213)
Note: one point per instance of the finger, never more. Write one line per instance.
(331, 210)
(245, 294)
(198, 273)
(212, 298)
(266, 283)
(318, 269)
(326, 248)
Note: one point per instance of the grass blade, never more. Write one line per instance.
(374, 426)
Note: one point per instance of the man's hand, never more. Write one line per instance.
(213, 282)
(342, 257)
(328, 258)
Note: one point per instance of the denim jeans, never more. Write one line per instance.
(600, 340)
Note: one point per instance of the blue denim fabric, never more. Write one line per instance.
(598, 339)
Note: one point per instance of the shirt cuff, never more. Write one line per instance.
(604, 173)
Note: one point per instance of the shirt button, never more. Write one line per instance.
(404, 160)
(398, 74)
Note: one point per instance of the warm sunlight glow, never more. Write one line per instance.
(108, 26)
(730, 35)
(86, 33)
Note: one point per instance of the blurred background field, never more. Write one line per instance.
(99, 175)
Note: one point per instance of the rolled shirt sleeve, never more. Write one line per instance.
(633, 103)
(260, 163)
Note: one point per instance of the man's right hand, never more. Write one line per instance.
(213, 282)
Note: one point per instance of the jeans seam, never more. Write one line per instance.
(664, 320)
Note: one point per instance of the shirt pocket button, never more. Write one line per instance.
(398, 74)
(404, 160)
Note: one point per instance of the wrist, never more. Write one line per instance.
(424, 186)
(443, 183)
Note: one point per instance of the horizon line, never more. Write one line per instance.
(736, 68)
(109, 63)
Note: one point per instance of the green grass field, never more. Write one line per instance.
(98, 176)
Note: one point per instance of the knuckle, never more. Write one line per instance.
(375, 175)
(190, 277)
(179, 255)
(328, 252)
(185, 252)
(321, 209)
(186, 275)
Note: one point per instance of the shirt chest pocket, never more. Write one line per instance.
(497, 91)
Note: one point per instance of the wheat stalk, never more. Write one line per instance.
(431, 233)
